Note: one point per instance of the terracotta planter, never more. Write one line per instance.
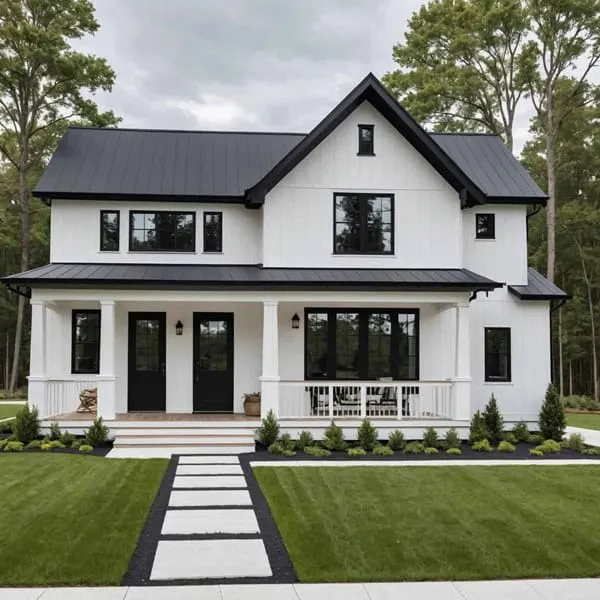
(252, 405)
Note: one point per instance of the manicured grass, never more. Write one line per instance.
(72, 520)
(8, 410)
(429, 523)
(582, 420)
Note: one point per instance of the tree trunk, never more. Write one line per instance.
(561, 385)
(6, 360)
(592, 326)
(570, 378)
(551, 206)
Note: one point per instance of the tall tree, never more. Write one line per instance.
(44, 83)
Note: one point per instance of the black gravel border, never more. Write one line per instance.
(99, 452)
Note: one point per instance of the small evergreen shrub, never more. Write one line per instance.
(286, 442)
(454, 451)
(6, 427)
(14, 447)
(357, 451)
(396, 440)
(305, 439)
(34, 445)
(552, 416)
(506, 446)
(333, 438)
(431, 438)
(414, 448)
(482, 446)
(535, 438)
(97, 434)
(535, 452)
(511, 438)
(268, 432)
(575, 442)
(76, 444)
(317, 451)
(86, 448)
(274, 448)
(67, 439)
(452, 439)
(381, 450)
(288, 452)
(55, 432)
(594, 451)
(551, 447)
(45, 446)
(431, 450)
(26, 425)
(56, 444)
(3, 443)
(521, 432)
(493, 421)
(367, 435)
(477, 429)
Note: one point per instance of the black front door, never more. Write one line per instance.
(213, 362)
(146, 389)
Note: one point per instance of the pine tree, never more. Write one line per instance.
(552, 416)
(494, 423)
(268, 432)
(478, 431)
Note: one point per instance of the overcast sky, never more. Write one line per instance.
(276, 65)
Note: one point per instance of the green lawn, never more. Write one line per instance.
(428, 523)
(590, 421)
(8, 410)
(72, 520)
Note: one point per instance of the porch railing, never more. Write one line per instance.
(366, 399)
(62, 396)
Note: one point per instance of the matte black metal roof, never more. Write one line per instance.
(537, 288)
(250, 276)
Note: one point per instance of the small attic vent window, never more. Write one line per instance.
(366, 140)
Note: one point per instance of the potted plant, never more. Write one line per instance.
(252, 404)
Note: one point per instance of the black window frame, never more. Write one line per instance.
(490, 233)
(220, 231)
(366, 148)
(364, 197)
(110, 212)
(74, 313)
(132, 213)
(363, 364)
(494, 378)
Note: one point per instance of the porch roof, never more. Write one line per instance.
(538, 288)
(249, 277)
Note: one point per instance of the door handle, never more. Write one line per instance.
(162, 367)
(196, 368)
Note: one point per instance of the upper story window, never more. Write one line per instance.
(366, 140)
(162, 231)
(497, 354)
(485, 226)
(213, 232)
(363, 224)
(109, 230)
(85, 341)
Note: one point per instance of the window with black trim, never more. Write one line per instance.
(213, 232)
(109, 230)
(361, 344)
(497, 354)
(485, 226)
(85, 341)
(363, 223)
(366, 140)
(162, 231)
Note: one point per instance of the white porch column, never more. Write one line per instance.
(38, 365)
(270, 359)
(462, 366)
(107, 376)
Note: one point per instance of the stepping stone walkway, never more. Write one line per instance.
(210, 530)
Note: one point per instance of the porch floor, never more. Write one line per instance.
(156, 416)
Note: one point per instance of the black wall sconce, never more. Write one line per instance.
(296, 321)
(179, 328)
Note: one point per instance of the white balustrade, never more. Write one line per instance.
(62, 396)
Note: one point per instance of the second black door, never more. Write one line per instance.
(213, 362)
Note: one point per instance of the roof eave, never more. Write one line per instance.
(212, 199)
(529, 297)
(525, 200)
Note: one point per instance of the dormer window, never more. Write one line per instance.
(366, 140)
(485, 226)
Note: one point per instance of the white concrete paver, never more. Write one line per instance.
(259, 592)
(427, 590)
(201, 559)
(209, 460)
(323, 591)
(210, 498)
(191, 592)
(209, 481)
(21, 594)
(91, 594)
(210, 521)
(566, 589)
(209, 470)
(550, 462)
(502, 590)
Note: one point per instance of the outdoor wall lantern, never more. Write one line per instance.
(295, 321)
(179, 328)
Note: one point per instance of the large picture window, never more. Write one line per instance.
(362, 344)
(363, 224)
(85, 341)
(497, 354)
(162, 231)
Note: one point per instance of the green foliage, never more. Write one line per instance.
(14, 447)
(276, 448)
(594, 451)
(431, 438)
(34, 445)
(67, 439)
(288, 452)
(268, 432)
(506, 446)
(580, 403)
(56, 444)
(357, 451)
(381, 450)
(86, 449)
(494, 423)
(575, 442)
(535, 438)
(551, 447)
(76, 444)
(536, 452)
(45, 446)
(367, 435)
(396, 440)
(317, 451)
(6, 427)
(452, 439)
(414, 448)
(55, 432)
(521, 432)
(286, 442)
(510, 437)
(333, 438)
(552, 416)
(3, 443)
(482, 446)
(454, 451)
(477, 430)
(26, 425)
(305, 439)
(431, 450)
(97, 434)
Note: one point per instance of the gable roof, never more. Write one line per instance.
(537, 288)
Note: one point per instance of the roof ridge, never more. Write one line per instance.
(160, 130)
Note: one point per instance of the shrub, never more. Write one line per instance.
(381, 450)
(431, 438)
(551, 447)
(552, 416)
(506, 446)
(431, 450)
(594, 451)
(34, 445)
(46, 446)
(56, 444)
(521, 432)
(305, 439)
(482, 446)
(288, 452)
(535, 452)
(26, 425)
(494, 423)
(14, 447)
(55, 432)
(367, 435)
(286, 442)
(396, 440)
(357, 451)
(535, 438)
(97, 434)
(333, 438)
(575, 442)
(317, 451)
(6, 427)
(268, 432)
(454, 451)
(3, 443)
(67, 438)
(414, 448)
(274, 448)
(477, 430)
(86, 448)
(510, 437)
(452, 439)
(580, 402)
(76, 444)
